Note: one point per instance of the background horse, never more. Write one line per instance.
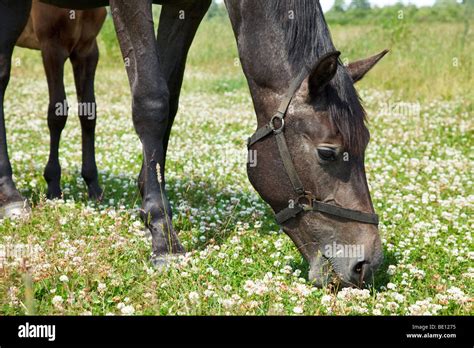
(311, 168)
(61, 34)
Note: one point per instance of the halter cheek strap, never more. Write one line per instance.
(305, 201)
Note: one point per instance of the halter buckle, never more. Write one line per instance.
(306, 201)
(282, 123)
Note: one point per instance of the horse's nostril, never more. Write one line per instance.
(360, 270)
(359, 266)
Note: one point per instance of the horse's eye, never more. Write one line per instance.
(327, 154)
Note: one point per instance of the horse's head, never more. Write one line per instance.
(326, 137)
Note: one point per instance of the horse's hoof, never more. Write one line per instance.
(163, 262)
(54, 194)
(15, 210)
(96, 194)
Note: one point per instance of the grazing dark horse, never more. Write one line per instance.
(61, 34)
(311, 135)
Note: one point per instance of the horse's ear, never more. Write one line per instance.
(358, 69)
(323, 72)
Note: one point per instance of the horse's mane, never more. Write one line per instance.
(307, 38)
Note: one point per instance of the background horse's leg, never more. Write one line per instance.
(13, 18)
(150, 109)
(54, 57)
(84, 61)
(178, 25)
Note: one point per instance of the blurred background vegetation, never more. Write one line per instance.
(431, 49)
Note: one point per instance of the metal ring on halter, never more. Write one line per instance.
(306, 201)
(272, 123)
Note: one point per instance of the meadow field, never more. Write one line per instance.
(82, 258)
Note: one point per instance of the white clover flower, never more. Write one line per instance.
(278, 307)
(228, 303)
(297, 272)
(302, 290)
(398, 297)
(57, 300)
(298, 310)
(64, 278)
(208, 293)
(258, 287)
(456, 294)
(424, 307)
(127, 310)
(268, 276)
(278, 243)
(347, 294)
(424, 198)
(391, 270)
(193, 297)
(101, 287)
(391, 286)
(326, 300)
(392, 306)
(360, 309)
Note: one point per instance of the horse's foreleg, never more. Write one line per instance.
(84, 61)
(150, 109)
(179, 22)
(13, 18)
(54, 57)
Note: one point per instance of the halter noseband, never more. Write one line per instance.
(305, 200)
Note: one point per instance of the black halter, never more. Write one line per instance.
(305, 200)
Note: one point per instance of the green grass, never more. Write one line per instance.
(419, 168)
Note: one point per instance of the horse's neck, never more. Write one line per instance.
(263, 55)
